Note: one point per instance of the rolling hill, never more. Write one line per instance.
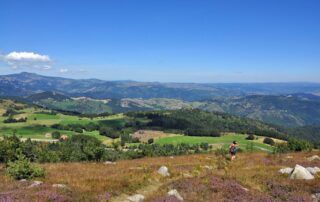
(25, 84)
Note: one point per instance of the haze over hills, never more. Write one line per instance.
(24, 84)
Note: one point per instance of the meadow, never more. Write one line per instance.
(201, 177)
(223, 141)
(39, 122)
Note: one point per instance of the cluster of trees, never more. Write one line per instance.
(293, 145)
(13, 120)
(10, 112)
(196, 122)
(85, 148)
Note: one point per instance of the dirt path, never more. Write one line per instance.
(145, 191)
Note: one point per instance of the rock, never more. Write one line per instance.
(36, 184)
(208, 167)
(187, 175)
(289, 157)
(176, 194)
(164, 171)
(171, 157)
(136, 198)
(300, 173)
(109, 163)
(316, 197)
(245, 189)
(59, 186)
(313, 170)
(286, 170)
(314, 157)
(22, 180)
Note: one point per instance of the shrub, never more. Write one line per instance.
(56, 135)
(221, 152)
(150, 141)
(108, 132)
(250, 137)
(281, 148)
(23, 169)
(299, 145)
(269, 141)
(204, 146)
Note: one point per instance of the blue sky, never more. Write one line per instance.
(167, 40)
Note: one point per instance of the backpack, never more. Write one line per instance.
(233, 149)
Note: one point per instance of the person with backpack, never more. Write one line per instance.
(233, 150)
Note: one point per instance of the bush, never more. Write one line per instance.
(281, 148)
(23, 169)
(150, 141)
(204, 146)
(221, 152)
(56, 135)
(269, 141)
(109, 132)
(250, 137)
(299, 145)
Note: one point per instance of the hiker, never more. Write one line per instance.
(233, 150)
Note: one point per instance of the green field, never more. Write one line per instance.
(39, 123)
(223, 141)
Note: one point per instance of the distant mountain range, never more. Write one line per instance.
(285, 104)
(25, 84)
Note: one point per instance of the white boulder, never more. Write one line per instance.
(313, 170)
(316, 197)
(314, 157)
(109, 163)
(286, 170)
(36, 184)
(136, 198)
(61, 186)
(176, 194)
(301, 173)
(164, 171)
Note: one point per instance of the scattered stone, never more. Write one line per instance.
(22, 180)
(187, 175)
(176, 194)
(314, 157)
(61, 186)
(136, 168)
(301, 173)
(164, 171)
(313, 170)
(316, 197)
(208, 167)
(109, 163)
(245, 189)
(286, 170)
(36, 184)
(136, 198)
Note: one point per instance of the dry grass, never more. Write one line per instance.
(257, 172)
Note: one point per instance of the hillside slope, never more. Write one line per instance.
(252, 177)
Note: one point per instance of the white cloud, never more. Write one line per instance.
(27, 60)
(63, 70)
(26, 56)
